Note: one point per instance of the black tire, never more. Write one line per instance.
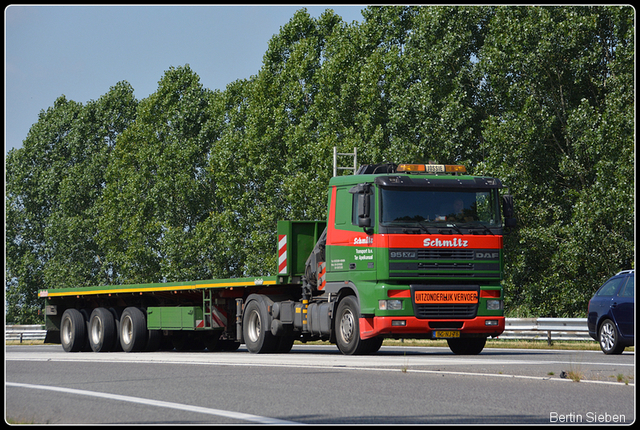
(133, 330)
(284, 343)
(180, 341)
(154, 340)
(73, 331)
(374, 344)
(467, 346)
(348, 328)
(227, 345)
(86, 314)
(609, 338)
(102, 330)
(117, 347)
(211, 342)
(256, 328)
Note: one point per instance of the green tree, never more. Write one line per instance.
(53, 184)
(560, 133)
(270, 145)
(159, 188)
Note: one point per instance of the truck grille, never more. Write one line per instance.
(444, 254)
(444, 263)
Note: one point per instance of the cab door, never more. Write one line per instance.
(349, 248)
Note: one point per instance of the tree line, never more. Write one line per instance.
(189, 182)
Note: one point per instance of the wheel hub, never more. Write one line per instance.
(347, 324)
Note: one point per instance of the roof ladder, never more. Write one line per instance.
(353, 154)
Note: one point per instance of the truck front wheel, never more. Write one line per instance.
(73, 331)
(348, 329)
(467, 346)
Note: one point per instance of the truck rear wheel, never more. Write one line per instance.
(284, 343)
(467, 346)
(255, 328)
(72, 331)
(102, 330)
(133, 330)
(348, 329)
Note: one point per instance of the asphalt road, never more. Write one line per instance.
(318, 385)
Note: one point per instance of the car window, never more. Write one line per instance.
(629, 289)
(610, 287)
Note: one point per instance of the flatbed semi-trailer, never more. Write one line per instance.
(407, 251)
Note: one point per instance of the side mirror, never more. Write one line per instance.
(364, 205)
(508, 211)
(364, 218)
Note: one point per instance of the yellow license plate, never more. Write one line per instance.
(446, 334)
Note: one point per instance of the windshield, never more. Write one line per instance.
(466, 208)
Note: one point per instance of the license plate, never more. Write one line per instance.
(446, 297)
(446, 334)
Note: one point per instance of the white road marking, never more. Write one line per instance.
(380, 363)
(159, 403)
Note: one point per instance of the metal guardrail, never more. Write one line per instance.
(24, 332)
(515, 328)
(546, 328)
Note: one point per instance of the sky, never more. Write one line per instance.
(82, 51)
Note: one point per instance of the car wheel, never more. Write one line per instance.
(609, 338)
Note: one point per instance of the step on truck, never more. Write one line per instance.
(407, 251)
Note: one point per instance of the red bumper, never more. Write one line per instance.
(376, 326)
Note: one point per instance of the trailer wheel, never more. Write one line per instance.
(117, 347)
(348, 329)
(467, 346)
(154, 340)
(86, 314)
(255, 328)
(211, 342)
(72, 331)
(133, 330)
(102, 330)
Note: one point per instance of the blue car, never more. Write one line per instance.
(611, 313)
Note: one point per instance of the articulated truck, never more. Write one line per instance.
(407, 251)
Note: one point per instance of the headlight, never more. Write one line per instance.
(390, 305)
(494, 305)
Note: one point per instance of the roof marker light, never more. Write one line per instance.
(430, 168)
(410, 168)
